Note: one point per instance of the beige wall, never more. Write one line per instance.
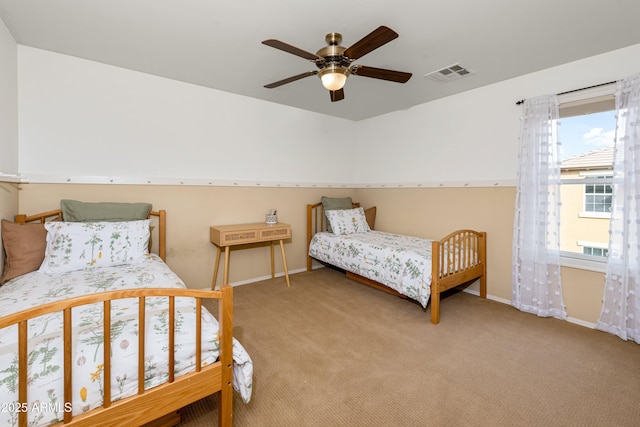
(426, 212)
(582, 291)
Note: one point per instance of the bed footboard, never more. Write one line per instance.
(458, 258)
(147, 405)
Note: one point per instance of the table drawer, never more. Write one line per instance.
(275, 233)
(229, 238)
(247, 236)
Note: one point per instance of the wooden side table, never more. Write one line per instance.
(226, 236)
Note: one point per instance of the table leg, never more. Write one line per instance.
(226, 266)
(273, 270)
(215, 269)
(284, 263)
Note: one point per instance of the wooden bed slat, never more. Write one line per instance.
(106, 347)
(171, 349)
(68, 365)
(141, 337)
(198, 334)
(22, 372)
(225, 310)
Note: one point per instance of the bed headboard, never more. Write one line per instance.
(158, 221)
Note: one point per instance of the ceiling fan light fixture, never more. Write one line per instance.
(333, 77)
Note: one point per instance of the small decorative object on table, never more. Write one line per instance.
(272, 217)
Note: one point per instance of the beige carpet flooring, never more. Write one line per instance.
(332, 352)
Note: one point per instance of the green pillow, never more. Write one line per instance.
(75, 211)
(335, 203)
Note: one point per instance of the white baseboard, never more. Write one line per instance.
(508, 302)
(581, 322)
(261, 278)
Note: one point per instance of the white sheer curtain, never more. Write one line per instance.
(621, 302)
(536, 284)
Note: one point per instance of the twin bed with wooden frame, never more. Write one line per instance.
(458, 258)
(157, 404)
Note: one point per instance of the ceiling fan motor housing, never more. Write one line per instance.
(332, 53)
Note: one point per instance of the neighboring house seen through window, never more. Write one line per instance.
(586, 135)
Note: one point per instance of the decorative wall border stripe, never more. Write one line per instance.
(212, 182)
(9, 177)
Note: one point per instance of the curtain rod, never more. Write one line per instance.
(574, 90)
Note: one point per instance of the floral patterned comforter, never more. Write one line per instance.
(45, 340)
(400, 262)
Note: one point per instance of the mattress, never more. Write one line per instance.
(45, 373)
(398, 261)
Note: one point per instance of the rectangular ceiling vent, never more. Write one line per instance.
(449, 74)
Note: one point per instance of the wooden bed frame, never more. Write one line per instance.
(158, 406)
(452, 263)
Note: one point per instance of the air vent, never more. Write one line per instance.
(449, 74)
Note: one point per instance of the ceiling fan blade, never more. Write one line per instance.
(381, 73)
(293, 50)
(290, 79)
(337, 95)
(378, 37)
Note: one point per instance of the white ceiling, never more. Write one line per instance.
(217, 43)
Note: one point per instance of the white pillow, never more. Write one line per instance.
(348, 221)
(84, 245)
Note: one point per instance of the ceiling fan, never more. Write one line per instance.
(335, 63)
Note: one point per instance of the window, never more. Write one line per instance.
(597, 197)
(586, 135)
(595, 251)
